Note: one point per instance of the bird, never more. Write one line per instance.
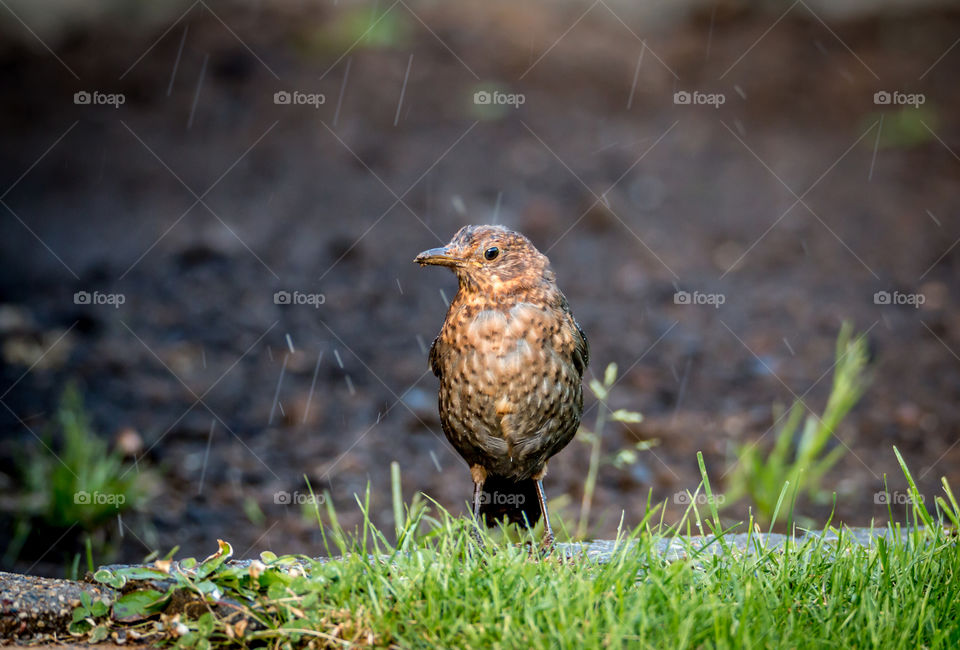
(510, 358)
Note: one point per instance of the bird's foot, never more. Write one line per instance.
(477, 537)
(547, 543)
(543, 549)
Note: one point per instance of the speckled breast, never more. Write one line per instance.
(510, 395)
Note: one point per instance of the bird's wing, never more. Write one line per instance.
(435, 357)
(581, 350)
(581, 346)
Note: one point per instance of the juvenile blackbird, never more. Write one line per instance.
(510, 358)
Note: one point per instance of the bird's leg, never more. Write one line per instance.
(547, 542)
(479, 476)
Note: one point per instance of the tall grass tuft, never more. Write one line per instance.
(801, 459)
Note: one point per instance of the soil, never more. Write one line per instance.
(797, 200)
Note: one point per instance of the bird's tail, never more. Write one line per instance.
(515, 501)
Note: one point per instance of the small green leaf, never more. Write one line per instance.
(267, 557)
(610, 375)
(215, 561)
(138, 605)
(205, 624)
(276, 591)
(99, 608)
(99, 634)
(115, 580)
(623, 415)
(209, 588)
(598, 390)
(80, 627)
(624, 457)
(86, 600)
(142, 573)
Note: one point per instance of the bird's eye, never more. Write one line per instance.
(491, 253)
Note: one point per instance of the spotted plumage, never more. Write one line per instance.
(510, 357)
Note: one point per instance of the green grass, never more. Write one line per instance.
(801, 458)
(435, 588)
(74, 479)
(85, 482)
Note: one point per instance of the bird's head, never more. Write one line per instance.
(492, 259)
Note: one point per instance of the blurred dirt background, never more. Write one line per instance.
(199, 197)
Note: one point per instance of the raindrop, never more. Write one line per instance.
(636, 74)
(206, 456)
(276, 395)
(403, 90)
(787, 343)
(313, 384)
(196, 96)
(176, 63)
(343, 87)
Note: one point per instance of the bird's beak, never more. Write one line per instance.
(442, 256)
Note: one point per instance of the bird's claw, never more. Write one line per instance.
(477, 537)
